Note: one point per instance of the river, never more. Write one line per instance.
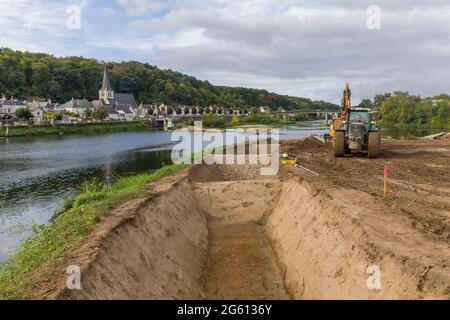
(38, 174)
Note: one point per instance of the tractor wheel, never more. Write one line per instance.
(374, 144)
(339, 143)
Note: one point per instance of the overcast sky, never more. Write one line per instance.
(296, 47)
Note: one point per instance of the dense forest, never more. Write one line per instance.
(35, 75)
(400, 109)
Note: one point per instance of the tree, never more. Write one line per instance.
(380, 98)
(235, 121)
(100, 114)
(366, 103)
(254, 111)
(88, 113)
(53, 116)
(23, 114)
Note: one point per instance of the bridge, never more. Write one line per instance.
(290, 113)
(161, 121)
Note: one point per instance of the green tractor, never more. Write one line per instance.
(358, 133)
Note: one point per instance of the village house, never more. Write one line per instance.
(38, 114)
(8, 108)
(264, 110)
(76, 106)
(146, 110)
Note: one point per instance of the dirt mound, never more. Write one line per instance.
(327, 240)
(149, 249)
(442, 135)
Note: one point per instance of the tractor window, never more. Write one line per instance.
(361, 117)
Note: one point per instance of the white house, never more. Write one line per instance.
(77, 106)
(9, 107)
(38, 115)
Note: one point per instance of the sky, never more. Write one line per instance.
(307, 48)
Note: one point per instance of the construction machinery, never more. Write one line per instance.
(353, 130)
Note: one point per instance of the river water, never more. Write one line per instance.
(38, 174)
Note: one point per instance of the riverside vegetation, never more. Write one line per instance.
(43, 255)
(73, 128)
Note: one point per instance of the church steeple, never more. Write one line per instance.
(106, 92)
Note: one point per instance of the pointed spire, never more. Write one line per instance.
(106, 85)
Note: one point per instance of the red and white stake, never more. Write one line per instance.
(386, 173)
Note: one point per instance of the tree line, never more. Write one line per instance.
(27, 75)
(400, 109)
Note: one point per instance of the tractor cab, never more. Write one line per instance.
(357, 132)
(358, 126)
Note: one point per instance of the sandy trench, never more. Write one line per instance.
(223, 232)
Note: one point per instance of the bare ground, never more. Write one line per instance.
(222, 232)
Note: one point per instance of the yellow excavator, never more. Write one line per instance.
(346, 104)
(353, 129)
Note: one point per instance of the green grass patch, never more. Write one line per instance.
(43, 255)
(75, 128)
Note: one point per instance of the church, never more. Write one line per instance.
(120, 106)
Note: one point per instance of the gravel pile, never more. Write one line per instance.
(240, 172)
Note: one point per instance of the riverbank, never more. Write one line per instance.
(75, 128)
(42, 256)
(225, 232)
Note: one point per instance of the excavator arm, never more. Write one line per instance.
(346, 104)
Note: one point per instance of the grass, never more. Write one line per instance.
(80, 128)
(43, 255)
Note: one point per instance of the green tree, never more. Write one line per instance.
(23, 114)
(366, 103)
(53, 116)
(235, 121)
(88, 113)
(100, 114)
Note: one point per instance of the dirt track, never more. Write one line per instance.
(223, 232)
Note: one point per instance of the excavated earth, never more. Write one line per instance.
(226, 232)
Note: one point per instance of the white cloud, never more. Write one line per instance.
(142, 7)
(22, 20)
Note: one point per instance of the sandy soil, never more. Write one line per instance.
(407, 234)
(241, 262)
(224, 232)
(419, 180)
